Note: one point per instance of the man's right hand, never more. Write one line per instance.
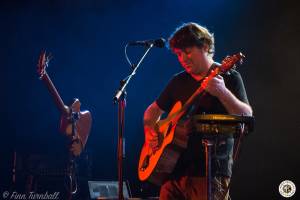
(151, 138)
(151, 117)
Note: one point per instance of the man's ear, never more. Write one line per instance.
(205, 47)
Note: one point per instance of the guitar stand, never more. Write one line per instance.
(72, 164)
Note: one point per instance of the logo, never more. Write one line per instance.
(287, 188)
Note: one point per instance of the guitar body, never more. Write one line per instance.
(157, 166)
(83, 126)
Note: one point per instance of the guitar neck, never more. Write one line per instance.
(200, 90)
(57, 99)
(174, 117)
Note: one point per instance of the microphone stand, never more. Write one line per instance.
(120, 98)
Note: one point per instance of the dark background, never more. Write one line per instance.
(87, 40)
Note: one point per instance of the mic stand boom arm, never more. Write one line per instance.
(125, 81)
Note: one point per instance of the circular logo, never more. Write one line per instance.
(287, 188)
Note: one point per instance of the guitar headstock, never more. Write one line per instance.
(42, 64)
(230, 61)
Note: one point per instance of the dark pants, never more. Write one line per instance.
(194, 188)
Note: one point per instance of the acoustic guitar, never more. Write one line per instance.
(69, 114)
(156, 166)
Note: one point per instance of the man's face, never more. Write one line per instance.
(191, 59)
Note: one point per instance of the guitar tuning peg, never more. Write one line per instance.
(242, 55)
(48, 58)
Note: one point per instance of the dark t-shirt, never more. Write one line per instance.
(192, 161)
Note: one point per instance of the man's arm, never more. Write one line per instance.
(151, 117)
(233, 105)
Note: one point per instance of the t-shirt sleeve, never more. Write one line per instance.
(236, 86)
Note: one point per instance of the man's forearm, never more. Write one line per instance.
(233, 105)
(152, 115)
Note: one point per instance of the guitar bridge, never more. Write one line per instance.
(145, 163)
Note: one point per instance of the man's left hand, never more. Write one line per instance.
(216, 86)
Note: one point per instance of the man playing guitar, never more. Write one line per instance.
(224, 94)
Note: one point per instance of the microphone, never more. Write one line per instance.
(160, 43)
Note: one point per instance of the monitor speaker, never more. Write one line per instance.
(106, 189)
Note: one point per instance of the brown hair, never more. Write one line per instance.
(192, 34)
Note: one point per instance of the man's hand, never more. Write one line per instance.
(151, 138)
(215, 86)
(151, 117)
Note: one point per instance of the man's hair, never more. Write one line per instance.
(192, 34)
